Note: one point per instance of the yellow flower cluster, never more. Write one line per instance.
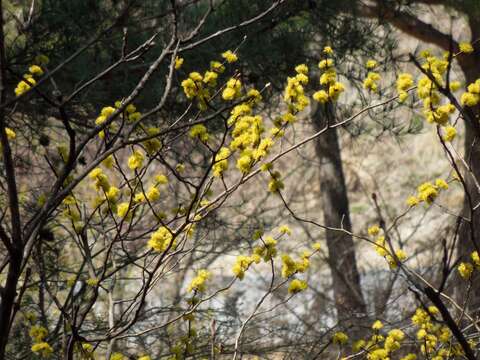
(91, 282)
(427, 192)
(43, 349)
(178, 62)
(466, 269)
(427, 89)
(11, 135)
(221, 161)
(100, 179)
(434, 337)
(371, 64)
(38, 333)
(297, 286)
(105, 113)
(404, 82)
(472, 96)
(230, 56)
(25, 85)
(135, 161)
(123, 209)
(373, 230)
(340, 338)
(198, 282)
(466, 47)
(449, 133)
(199, 131)
(161, 239)
(378, 346)
(246, 134)
(284, 229)
(332, 88)
(117, 356)
(131, 114)
(153, 144)
(382, 250)
(371, 82)
(268, 250)
(232, 90)
(294, 94)
(275, 184)
(198, 86)
(40, 347)
(291, 267)
(242, 264)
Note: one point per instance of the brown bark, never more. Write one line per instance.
(14, 245)
(349, 301)
(469, 239)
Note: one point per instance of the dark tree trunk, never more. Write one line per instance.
(469, 237)
(349, 301)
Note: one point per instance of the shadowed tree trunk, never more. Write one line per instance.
(349, 301)
(470, 233)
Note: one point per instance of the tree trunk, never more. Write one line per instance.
(349, 301)
(469, 237)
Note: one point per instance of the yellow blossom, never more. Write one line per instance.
(328, 50)
(373, 230)
(340, 338)
(11, 135)
(221, 161)
(297, 286)
(199, 131)
(455, 85)
(161, 239)
(301, 69)
(377, 325)
(475, 258)
(198, 283)
(153, 194)
(321, 96)
(229, 56)
(42, 348)
(178, 62)
(35, 70)
(466, 48)
(442, 184)
(427, 192)
(465, 269)
(371, 64)
(135, 161)
(161, 179)
(325, 63)
(38, 333)
(241, 265)
(217, 67)
(469, 99)
(130, 109)
(413, 200)
(335, 90)
(449, 133)
(91, 282)
(24, 86)
(284, 229)
(122, 209)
